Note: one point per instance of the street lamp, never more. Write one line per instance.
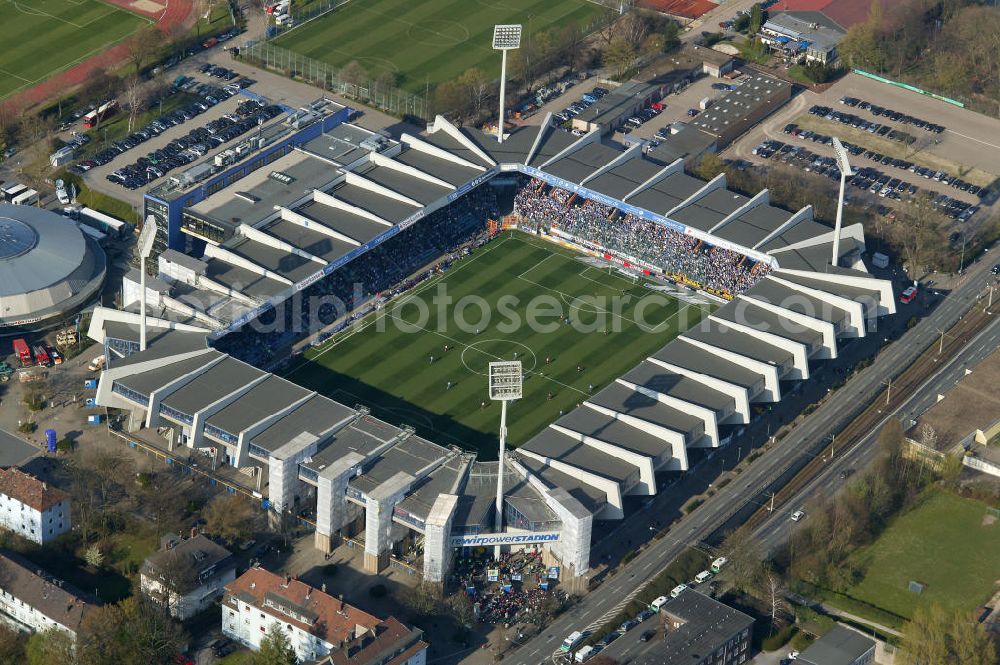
(845, 173)
(505, 380)
(505, 38)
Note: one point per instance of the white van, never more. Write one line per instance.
(677, 590)
(281, 19)
(718, 564)
(584, 654)
(658, 603)
(703, 577)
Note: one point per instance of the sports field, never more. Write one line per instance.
(572, 323)
(42, 37)
(947, 543)
(429, 41)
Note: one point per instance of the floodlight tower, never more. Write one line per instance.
(145, 246)
(845, 173)
(506, 379)
(505, 38)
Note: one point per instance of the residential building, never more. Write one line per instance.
(187, 576)
(32, 601)
(31, 508)
(840, 646)
(699, 630)
(390, 643)
(317, 624)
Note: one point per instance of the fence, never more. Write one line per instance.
(324, 75)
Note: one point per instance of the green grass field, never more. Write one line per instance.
(428, 41)
(945, 543)
(42, 37)
(391, 371)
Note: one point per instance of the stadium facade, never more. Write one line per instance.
(48, 267)
(328, 200)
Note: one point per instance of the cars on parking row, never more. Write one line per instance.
(578, 106)
(860, 123)
(209, 95)
(895, 116)
(196, 143)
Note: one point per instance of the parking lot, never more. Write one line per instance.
(969, 140)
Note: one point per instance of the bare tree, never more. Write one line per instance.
(353, 73)
(229, 517)
(774, 596)
(134, 99)
(477, 87)
(142, 45)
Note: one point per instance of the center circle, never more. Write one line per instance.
(492, 350)
(16, 238)
(438, 32)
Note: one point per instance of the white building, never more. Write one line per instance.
(30, 601)
(317, 624)
(30, 508)
(187, 576)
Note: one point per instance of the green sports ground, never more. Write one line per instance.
(429, 41)
(385, 361)
(42, 37)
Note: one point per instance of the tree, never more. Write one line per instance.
(134, 631)
(142, 45)
(353, 73)
(709, 166)
(746, 558)
(477, 87)
(423, 599)
(936, 635)
(671, 35)
(162, 499)
(460, 606)
(134, 99)
(774, 596)
(12, 644)
(620, 55)
(94, 556)
(756, 18)
(275, 649)
(229, 517)
(50, 647)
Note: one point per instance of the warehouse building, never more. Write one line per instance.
(756, 97)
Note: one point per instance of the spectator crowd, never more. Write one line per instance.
(519, 592)
(679, 256)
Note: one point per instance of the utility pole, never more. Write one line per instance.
(770, 508)
(888, 391)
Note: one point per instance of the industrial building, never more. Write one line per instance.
(730, 116)
(49, 268)
(840, 646)
(297, 220)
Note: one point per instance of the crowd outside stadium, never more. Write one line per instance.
(513, 590)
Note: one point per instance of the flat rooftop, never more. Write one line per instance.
(555, 445)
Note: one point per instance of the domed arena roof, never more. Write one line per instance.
(47, 265)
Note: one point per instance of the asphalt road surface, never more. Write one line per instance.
(755, 484)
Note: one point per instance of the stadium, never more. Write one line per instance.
(329, 229)
(49, 268)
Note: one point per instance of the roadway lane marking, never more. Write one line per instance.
(972, 138)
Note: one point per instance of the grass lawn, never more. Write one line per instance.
(386, 362)
(429, 41)
(42, 37)
(944, 543)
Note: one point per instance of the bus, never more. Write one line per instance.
(91, 119)
(28, 197)
(571, 641)
(115, 228)
(12, 190)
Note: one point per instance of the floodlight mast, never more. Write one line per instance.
(505, 38)
(145, 246)
(506, 379)
(845, 172)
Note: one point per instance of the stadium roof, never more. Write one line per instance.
(48, 267)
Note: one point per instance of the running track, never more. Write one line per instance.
(176, 12)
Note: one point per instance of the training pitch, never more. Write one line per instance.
(427, 42)
(385, 361)
(42, 37)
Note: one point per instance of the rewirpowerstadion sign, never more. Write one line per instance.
(493, 539)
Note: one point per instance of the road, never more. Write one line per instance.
(765, 475)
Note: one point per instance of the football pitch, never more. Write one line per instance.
(430, 41)
(42, 37)
(575, 325)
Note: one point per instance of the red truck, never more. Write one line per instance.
(42, 356)
(23, 352)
